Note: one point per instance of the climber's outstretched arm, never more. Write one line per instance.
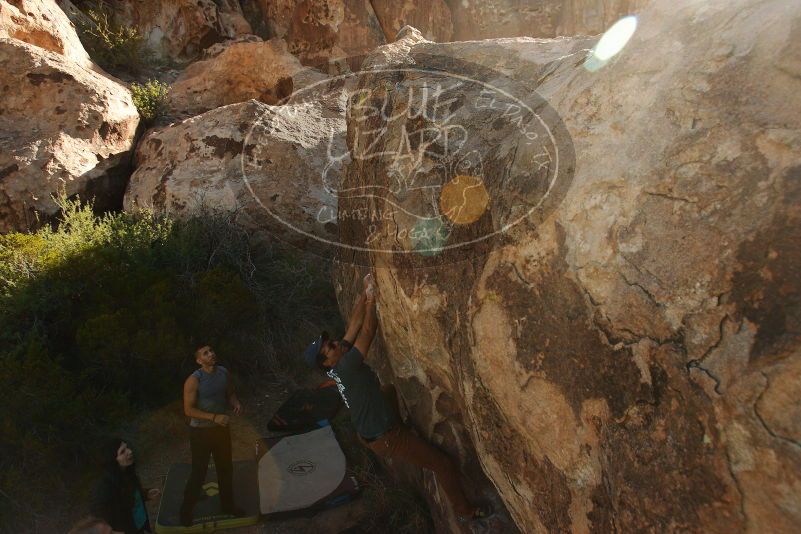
(368, 330)
(357, 315)
(356, 319)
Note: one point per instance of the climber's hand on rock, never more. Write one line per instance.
(153, 493)
(367, 281)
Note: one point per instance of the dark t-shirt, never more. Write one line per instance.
(114, 500)
(361, 391)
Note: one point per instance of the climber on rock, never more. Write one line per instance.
(377, 424)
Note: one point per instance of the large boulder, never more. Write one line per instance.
(63, 128)
(487, 19)
(321, 30)
(625, 353)
(239, 71)
(42, 23)
(431, 18)
(317, 31)
(263, 162)
(180, 30)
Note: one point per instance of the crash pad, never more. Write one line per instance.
(207, 515)
(302, 473)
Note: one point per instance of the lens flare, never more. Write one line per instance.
(428, 237)
(464, 199)
(611, 43)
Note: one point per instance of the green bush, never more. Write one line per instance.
(150, 99)
(115, 47)
(99, 319)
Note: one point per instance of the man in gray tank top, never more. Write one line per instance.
(207, 394)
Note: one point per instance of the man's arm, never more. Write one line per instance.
(369, 327)
(356, 319)
(357, 314)
(190, 398)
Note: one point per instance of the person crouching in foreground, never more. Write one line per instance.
(207, 393)
(118, 500)
(376, 423)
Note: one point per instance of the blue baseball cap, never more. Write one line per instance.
(313, 350)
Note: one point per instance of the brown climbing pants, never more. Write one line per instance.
(401, 444)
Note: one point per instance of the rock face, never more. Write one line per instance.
(319, 30)
(42, 23)
(264, 161)
(432, 19)
(240, 71)
(487, 19)
(181, 29)
(63, 127)
(627, 356)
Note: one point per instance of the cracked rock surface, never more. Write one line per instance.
(629, 360)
